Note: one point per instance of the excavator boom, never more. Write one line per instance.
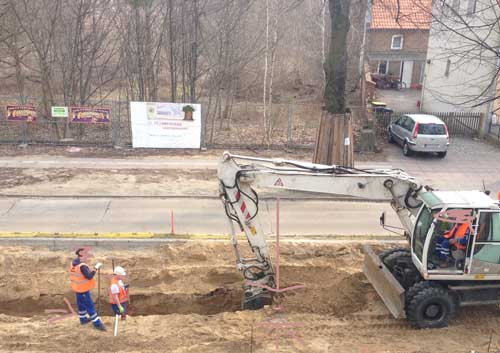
(239, 175)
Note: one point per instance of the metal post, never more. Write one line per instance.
(278, 243)
(25, 134)
(203, 128)
(115, 125)
(289, 134)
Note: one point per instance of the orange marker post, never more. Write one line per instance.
(172, 229)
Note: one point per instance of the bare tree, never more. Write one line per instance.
(229, 48)
(87, 50)
(38, 20)
(143, 28)
(275, 10)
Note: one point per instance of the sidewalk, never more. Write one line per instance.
(468, 165)
(45, 162)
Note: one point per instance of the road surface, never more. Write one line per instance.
(191, 216)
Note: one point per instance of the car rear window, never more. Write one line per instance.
(431, 129)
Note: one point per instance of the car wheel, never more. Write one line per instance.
(390, 139)
(406, 150)
(441, 154)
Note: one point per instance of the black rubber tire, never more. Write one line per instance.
(387, 252)
(416, 288)
(401, 266)
(406, 150)
(390, 139)
(391, 259)
(430, 308)
(441, 154)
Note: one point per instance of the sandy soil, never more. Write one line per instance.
(128, 152)
(115, 182)
(187, 295)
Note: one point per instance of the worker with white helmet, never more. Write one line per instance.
(118, 292)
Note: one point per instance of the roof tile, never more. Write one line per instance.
(412, 14)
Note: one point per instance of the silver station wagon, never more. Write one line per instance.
(420, 133)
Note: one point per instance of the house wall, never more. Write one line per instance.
(414, 42)
(496, 103)
(470, 71)
(414, 49)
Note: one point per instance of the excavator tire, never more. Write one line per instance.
(401, 266)
(416, 288)
(431, 308)
(388, 252)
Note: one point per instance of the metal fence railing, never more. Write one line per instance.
(294, 125)
(48, 130)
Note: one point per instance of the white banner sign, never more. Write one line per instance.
(165, 125)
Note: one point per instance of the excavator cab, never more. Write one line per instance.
(453, 260)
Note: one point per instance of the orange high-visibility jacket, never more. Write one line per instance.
(458, 232)
(79, 283)
(122, 296)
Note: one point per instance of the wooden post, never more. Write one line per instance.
(334, 143)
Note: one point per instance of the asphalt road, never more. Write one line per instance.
(191, 216)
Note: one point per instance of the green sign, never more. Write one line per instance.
(60, 112)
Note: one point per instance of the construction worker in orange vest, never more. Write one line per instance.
(459, 238)
(118, 292)
(82, 282)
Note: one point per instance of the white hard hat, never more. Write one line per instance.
(119, 271)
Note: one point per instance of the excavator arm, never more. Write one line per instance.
(239, 175)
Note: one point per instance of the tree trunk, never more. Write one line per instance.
(336, 61)
(334, 140)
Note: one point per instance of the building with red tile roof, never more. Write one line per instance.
(397, 38)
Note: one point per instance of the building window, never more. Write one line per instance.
(471, 7)
(397, 42)
(447, 70)
(382, 67)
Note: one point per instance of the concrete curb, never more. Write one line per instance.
(203, 197)
(135, 243)
(165, 236)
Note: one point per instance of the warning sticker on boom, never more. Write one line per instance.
(278, 182)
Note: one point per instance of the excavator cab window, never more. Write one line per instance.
(422, 226)
(451, 240)
(486, 252)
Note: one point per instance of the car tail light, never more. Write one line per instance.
(446, 130)
(415, 132)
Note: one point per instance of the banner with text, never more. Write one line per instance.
(89, 115)
(165, 125)
(21, 113)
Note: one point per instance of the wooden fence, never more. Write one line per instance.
(459, 124)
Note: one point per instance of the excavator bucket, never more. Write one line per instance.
(387, 287)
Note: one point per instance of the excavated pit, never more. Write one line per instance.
(188, 278)
(186, 299)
